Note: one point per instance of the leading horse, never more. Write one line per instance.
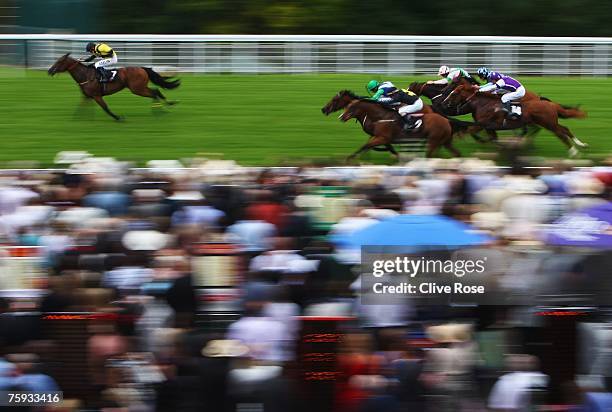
(134, 78)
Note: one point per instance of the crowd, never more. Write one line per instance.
(220, 288)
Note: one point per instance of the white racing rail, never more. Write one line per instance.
(587, 56)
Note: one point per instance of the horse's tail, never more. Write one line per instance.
(160, 80)
(570, 112)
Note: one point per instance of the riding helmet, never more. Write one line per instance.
(443, 70)
(90, 46)
(372, 85)
(483, 72)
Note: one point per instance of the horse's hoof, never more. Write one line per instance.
(120, 118)
(172, 102)
(580, 144)
(573, 152)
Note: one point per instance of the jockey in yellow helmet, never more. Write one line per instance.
(107, 57)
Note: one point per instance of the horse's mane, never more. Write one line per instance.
(438, 86)
(350, 94)
(488, 95)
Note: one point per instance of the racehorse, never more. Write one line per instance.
(385, 125)
(134, 78)
(488, 113)
(438, 92)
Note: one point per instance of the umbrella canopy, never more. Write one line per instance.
(414, 230)
(591, 227)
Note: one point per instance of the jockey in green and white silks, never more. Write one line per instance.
(386, 92)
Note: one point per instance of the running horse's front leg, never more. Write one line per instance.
(104, 106)
(373, 141)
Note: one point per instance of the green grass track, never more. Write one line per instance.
(254, 119)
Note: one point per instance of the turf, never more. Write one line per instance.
(254, 119)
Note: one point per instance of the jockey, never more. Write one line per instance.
(386, 92)
(511, 88)
(107, 57)
(452, 75)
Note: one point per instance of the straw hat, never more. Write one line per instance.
(225, 348)
(450, 333)
(489, 220)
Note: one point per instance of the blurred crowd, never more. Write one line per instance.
(220, 288)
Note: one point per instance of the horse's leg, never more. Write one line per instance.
(161, 96)
(558, 131)
(492, 135)
(574, 139)
(451, 148)
(154, 94)
(431, 148)
(104, 106)
(83, 109)
(393, 151)
(373, 141)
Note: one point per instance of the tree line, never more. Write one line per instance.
(393, 17)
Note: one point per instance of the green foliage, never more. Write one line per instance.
(442, 17)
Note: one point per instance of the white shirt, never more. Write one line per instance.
(264, 336)
(511, 390)
(13, 197)
(127, 277)
(286, 261)
(254, 235)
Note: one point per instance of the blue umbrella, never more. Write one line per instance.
(590, 227)
(414, 230)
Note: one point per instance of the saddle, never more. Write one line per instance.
(106, 76)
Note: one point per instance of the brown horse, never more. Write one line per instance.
(436, 93)
(134, 78)
(488, 113)
(385, 125)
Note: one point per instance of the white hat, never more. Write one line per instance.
(489, 220)
(524, 184)
(145, 240)
(80, 216)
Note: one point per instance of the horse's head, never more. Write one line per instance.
(353, 110)
(61, 65)
(416, 88)
(339, 101)
(459, 94)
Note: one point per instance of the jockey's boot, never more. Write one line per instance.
(103, 74)
(410, 123)
(507, 108)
